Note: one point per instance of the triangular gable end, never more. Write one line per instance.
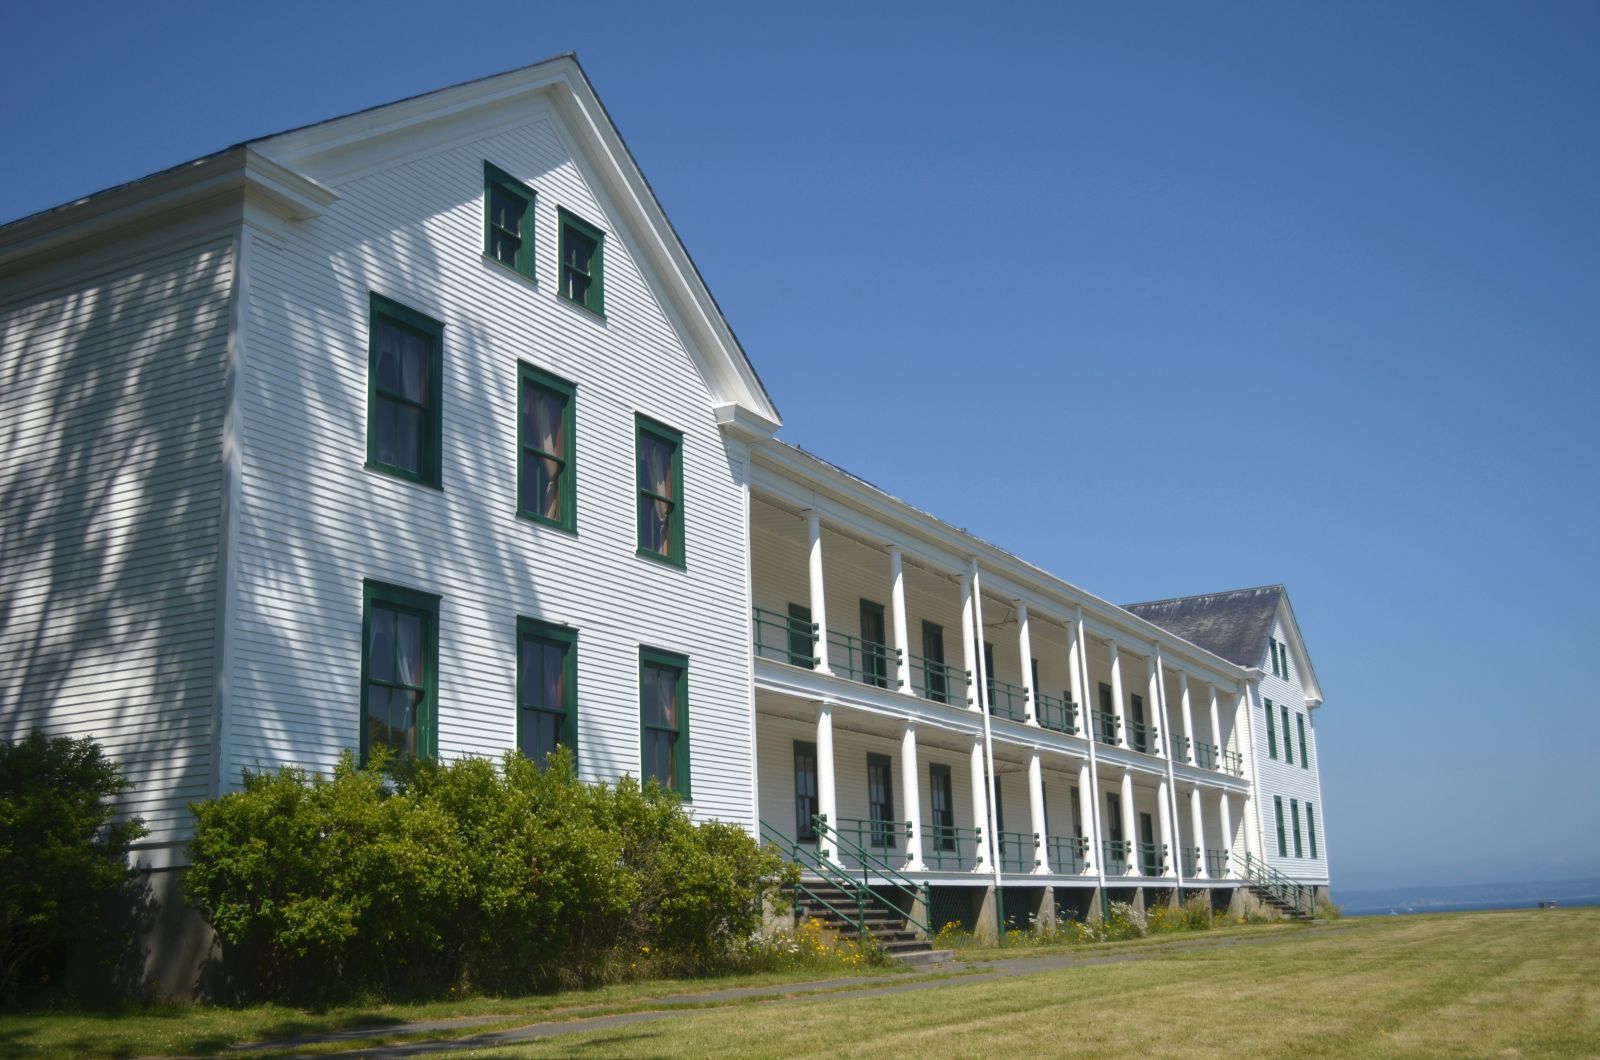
(345, 148)
(1300, 657)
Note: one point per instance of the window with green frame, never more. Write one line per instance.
(659, 452)
(1288, 750)
(582, 263)
(507, 220)
(1300, 724)
(1277, 808)
(880, 800)
(546, 440)
(399, 671)
(404, 369)
(1294, 816)
(802, 643)
(1272, 653)
(547, 688)
(1311, 827)
(1272, 732)
(664, 718)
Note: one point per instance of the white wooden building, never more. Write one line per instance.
(419, 427)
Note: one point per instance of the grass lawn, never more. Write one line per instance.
(1524, 983)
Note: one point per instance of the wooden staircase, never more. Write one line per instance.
(862, 913)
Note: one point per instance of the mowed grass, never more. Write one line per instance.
(1523, 983)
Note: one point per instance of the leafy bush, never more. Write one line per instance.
(63, 858)
(411, 881)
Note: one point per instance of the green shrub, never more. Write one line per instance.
(63, 858)
(425, 877)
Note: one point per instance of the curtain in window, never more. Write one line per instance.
(545, 427)
(656, 471)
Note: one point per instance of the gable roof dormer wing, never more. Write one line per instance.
(344, 148)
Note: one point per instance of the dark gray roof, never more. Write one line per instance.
(1234, 625)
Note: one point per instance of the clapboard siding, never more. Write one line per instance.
(1276, 776)
(112, 395)
(314, 523)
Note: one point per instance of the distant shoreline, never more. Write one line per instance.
(1465, 907)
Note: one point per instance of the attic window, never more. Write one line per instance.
(507, 220)
(582, 255)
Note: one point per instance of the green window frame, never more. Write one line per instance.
(404, 391)
(936, 680)
(942, 806)
(1277, 808)
(660, 490)
(547, 688)
(583, 247)
(1272, 732)
(1283, 659)
(508, 220)
(1272, 654)
(1300, 724)
(880, 800)
(1311, 827)
(399, 694)
(1294, 816)
(802, 644)
(664, 719)
(805, 791)
(1288, 748)
(874, 644)
(547, 471)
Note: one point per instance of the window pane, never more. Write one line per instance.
(655, 465)
(577, 286)
(400, 435)
(414, 368)
(579, 250)
(380, 644)
(408, 629)
(661, 697)
(503, 247)
(655, 520)
(387, 341)
(544, 422)
(505, 210)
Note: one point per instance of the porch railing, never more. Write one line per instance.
(1058, 715)
(944, 846)
(1007, 700)
(1107, 727)
(1142, 737)
(1115, 853)
(785, 638)
(1180, 752)
(1205, 755)
(1191, 859)
(1216, 864)
(1019, 851)
(1153, 859)
(940, 683)
(879, 835)
(863, 660)
(1233, 763)
(1068, 854)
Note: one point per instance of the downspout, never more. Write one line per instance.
(988, 751)
(1172, 780)
(1085, 715)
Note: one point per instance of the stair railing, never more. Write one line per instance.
(830, 873)
(874, 863)
(1295, 895)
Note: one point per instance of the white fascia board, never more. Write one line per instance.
(1302, 657)
(833, 690)
(238, 171)
(743, 423)
(799, 477)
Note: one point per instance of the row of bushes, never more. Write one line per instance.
(404, 882)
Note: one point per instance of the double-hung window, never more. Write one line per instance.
(404, 366)
(1294, 815)
(546, 477)
(805, 791)
(582, 257)
(399, 671)
(507, 220)
(941, 799)
(1300, 725)
(1277, 809)
(547, 688)
(664, 718)
(1311, 827)
(880, 800)
(659, 452)
(1288, 749)
(1272, 732)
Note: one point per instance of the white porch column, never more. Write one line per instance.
(827, 793)
(1080, 695)
(819, 606)
(1025, 645)
(1164, 824)
(1036, 811)
(980, 808)
(974, 699)
(1249, 838)
(1198, 823)
(1116, 693)
(1216, 729)
(1161, 739)
(1226, 818)
(1092, 855)
(1130, 824)
(911, 795)
(1188, 721)
(897, 603)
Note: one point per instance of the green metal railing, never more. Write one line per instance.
(1058, 715)
(863, 660)
(1205, 755)
(1019, 851)
(1233, 763)
(1107, 727)
(940, 682)
(1007, 700)
(1216, 864)
(1297, 896)
(1191, 859)
(1068, 854)
(1180, 753)
(1152, 859)
(873, 864)
(785, 638)
(949, 847)
(1115, 854)
(853, 910)
(879, 835)
(1142, 737)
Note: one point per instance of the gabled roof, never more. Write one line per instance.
(1235, 625)
(282, 170)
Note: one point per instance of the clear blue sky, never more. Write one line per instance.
(1168, 298)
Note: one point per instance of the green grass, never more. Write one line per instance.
(1523, 983)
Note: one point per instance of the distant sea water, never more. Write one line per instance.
(1462, 907)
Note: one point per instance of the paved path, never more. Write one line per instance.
(673, 1006)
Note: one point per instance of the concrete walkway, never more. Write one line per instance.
(672, 1006)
